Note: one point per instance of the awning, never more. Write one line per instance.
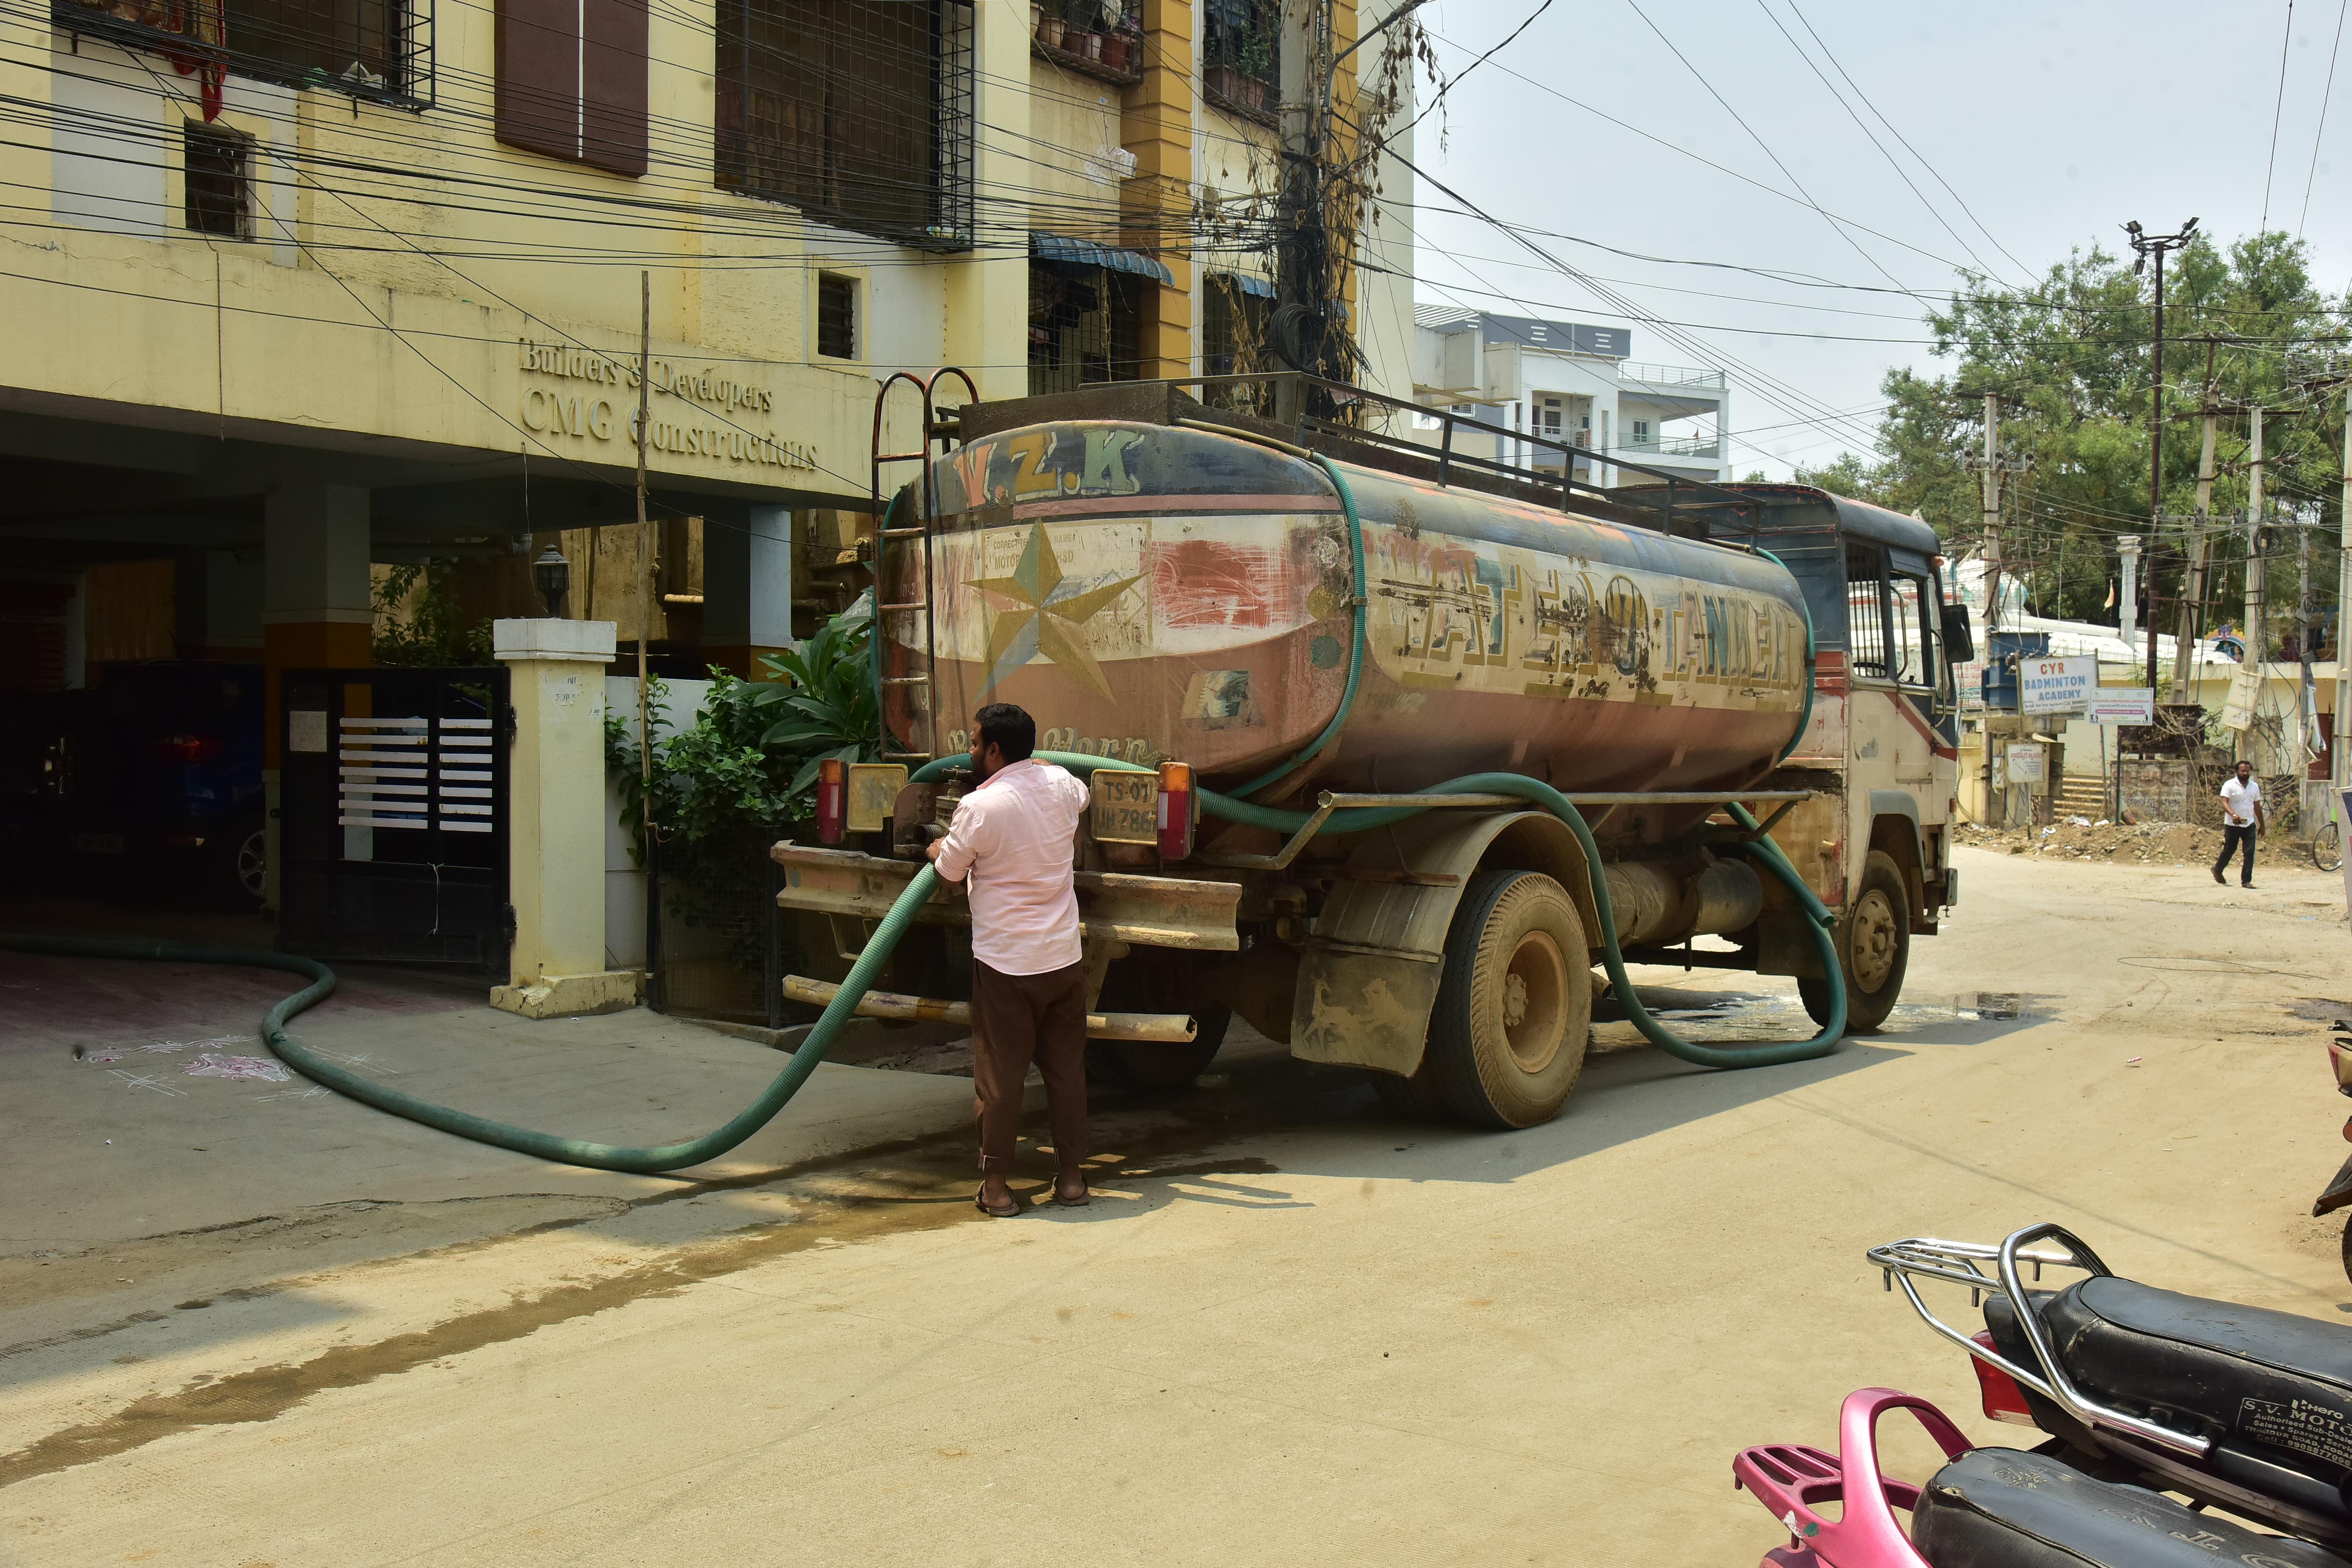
(1248, 283)
(1086, 253)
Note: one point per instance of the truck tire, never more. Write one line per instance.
(1873, 944)
(1514, 1008)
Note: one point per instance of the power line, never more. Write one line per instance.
(2286, 38)
(1752, 135)
(1899, 135)
(2325, 93)
(1900, 172)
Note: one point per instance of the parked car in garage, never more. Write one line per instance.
(154, 769)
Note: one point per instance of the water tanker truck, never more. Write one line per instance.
(1306, 617)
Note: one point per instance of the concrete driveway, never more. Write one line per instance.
(1291, 1330)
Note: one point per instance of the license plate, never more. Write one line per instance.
(98, 842)
(1126, 807)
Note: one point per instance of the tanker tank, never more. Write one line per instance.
(1154, 591)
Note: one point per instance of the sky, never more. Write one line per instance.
(2052, 124)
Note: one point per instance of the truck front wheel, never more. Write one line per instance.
(1873, 944)
(1514, 1005)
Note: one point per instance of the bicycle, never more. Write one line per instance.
(2327, 846)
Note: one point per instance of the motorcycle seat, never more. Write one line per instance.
(2259, 1377)
(2001, 1507)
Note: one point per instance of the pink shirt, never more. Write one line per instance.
(1014, 834)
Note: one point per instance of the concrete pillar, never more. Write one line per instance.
(315, 606)
(1155, 125)
(555, 824)
(747, 587)
(988, 287)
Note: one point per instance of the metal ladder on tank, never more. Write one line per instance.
(888, 539)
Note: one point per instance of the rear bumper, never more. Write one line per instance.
(1150, 912)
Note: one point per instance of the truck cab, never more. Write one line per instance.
(1881, 747)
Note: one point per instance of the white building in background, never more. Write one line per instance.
(1572, 382)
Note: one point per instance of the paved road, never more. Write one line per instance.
(1291, 1330)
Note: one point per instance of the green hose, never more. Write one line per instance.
(481, 1129)
(1819, 919)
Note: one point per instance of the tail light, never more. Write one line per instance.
(832, 799)
(2340, 1063)
(1177, 804)
(191, 748)
(2003, 1400)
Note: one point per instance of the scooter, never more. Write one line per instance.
(2233, 1406)
(2340, 1191)
(1988, 1508)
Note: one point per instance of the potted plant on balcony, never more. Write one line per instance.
(1116, 51)
(1255, 59)
(1049, 32)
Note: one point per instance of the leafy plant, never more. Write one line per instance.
(750, 759)
(427, 634)
(829, 702)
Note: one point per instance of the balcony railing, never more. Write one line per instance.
(1669, 375)
(1676, 447)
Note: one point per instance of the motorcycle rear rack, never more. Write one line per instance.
(1792, 1479)
(1961, 1263)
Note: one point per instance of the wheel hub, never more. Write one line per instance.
(1877, 938)
(1534, 1001)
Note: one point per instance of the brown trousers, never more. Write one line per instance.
(1015, 1018)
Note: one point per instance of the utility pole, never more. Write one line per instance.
(645, 550)
(2147, 245)
(1309, 330)
(2253, 631)
(2192, 591)
(2127, 601)
(2341, 751)
(1991, 487)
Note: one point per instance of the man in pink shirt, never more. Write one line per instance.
(1015, 836)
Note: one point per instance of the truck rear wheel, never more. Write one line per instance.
(1873, 944)
(1515, 1005)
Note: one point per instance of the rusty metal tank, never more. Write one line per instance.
(1150, 591)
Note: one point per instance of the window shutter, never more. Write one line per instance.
(572, 80)
(538, 103)
(613, 81)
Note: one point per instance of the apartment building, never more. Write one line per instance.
(301, 292)
(1574, 384)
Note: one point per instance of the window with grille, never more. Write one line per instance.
(1233, 342)
(219, 183)
(1241, 63)
(369, 49)
(1086, 326)
(1869, 653)
(856, 111)
(837, 316)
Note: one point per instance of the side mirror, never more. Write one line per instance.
(1959, 642)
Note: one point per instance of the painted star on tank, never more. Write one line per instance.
(1044, 613)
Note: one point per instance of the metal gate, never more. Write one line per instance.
(392, 816)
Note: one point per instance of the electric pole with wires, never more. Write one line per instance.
(2145, 244)
(1310, 330)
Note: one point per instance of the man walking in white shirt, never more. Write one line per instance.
(2241, 819)
(1016, 836)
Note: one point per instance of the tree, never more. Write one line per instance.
(2072, 354)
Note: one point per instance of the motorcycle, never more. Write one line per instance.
(1988, 1508)
(2237, 1408)
(2340, 1191)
